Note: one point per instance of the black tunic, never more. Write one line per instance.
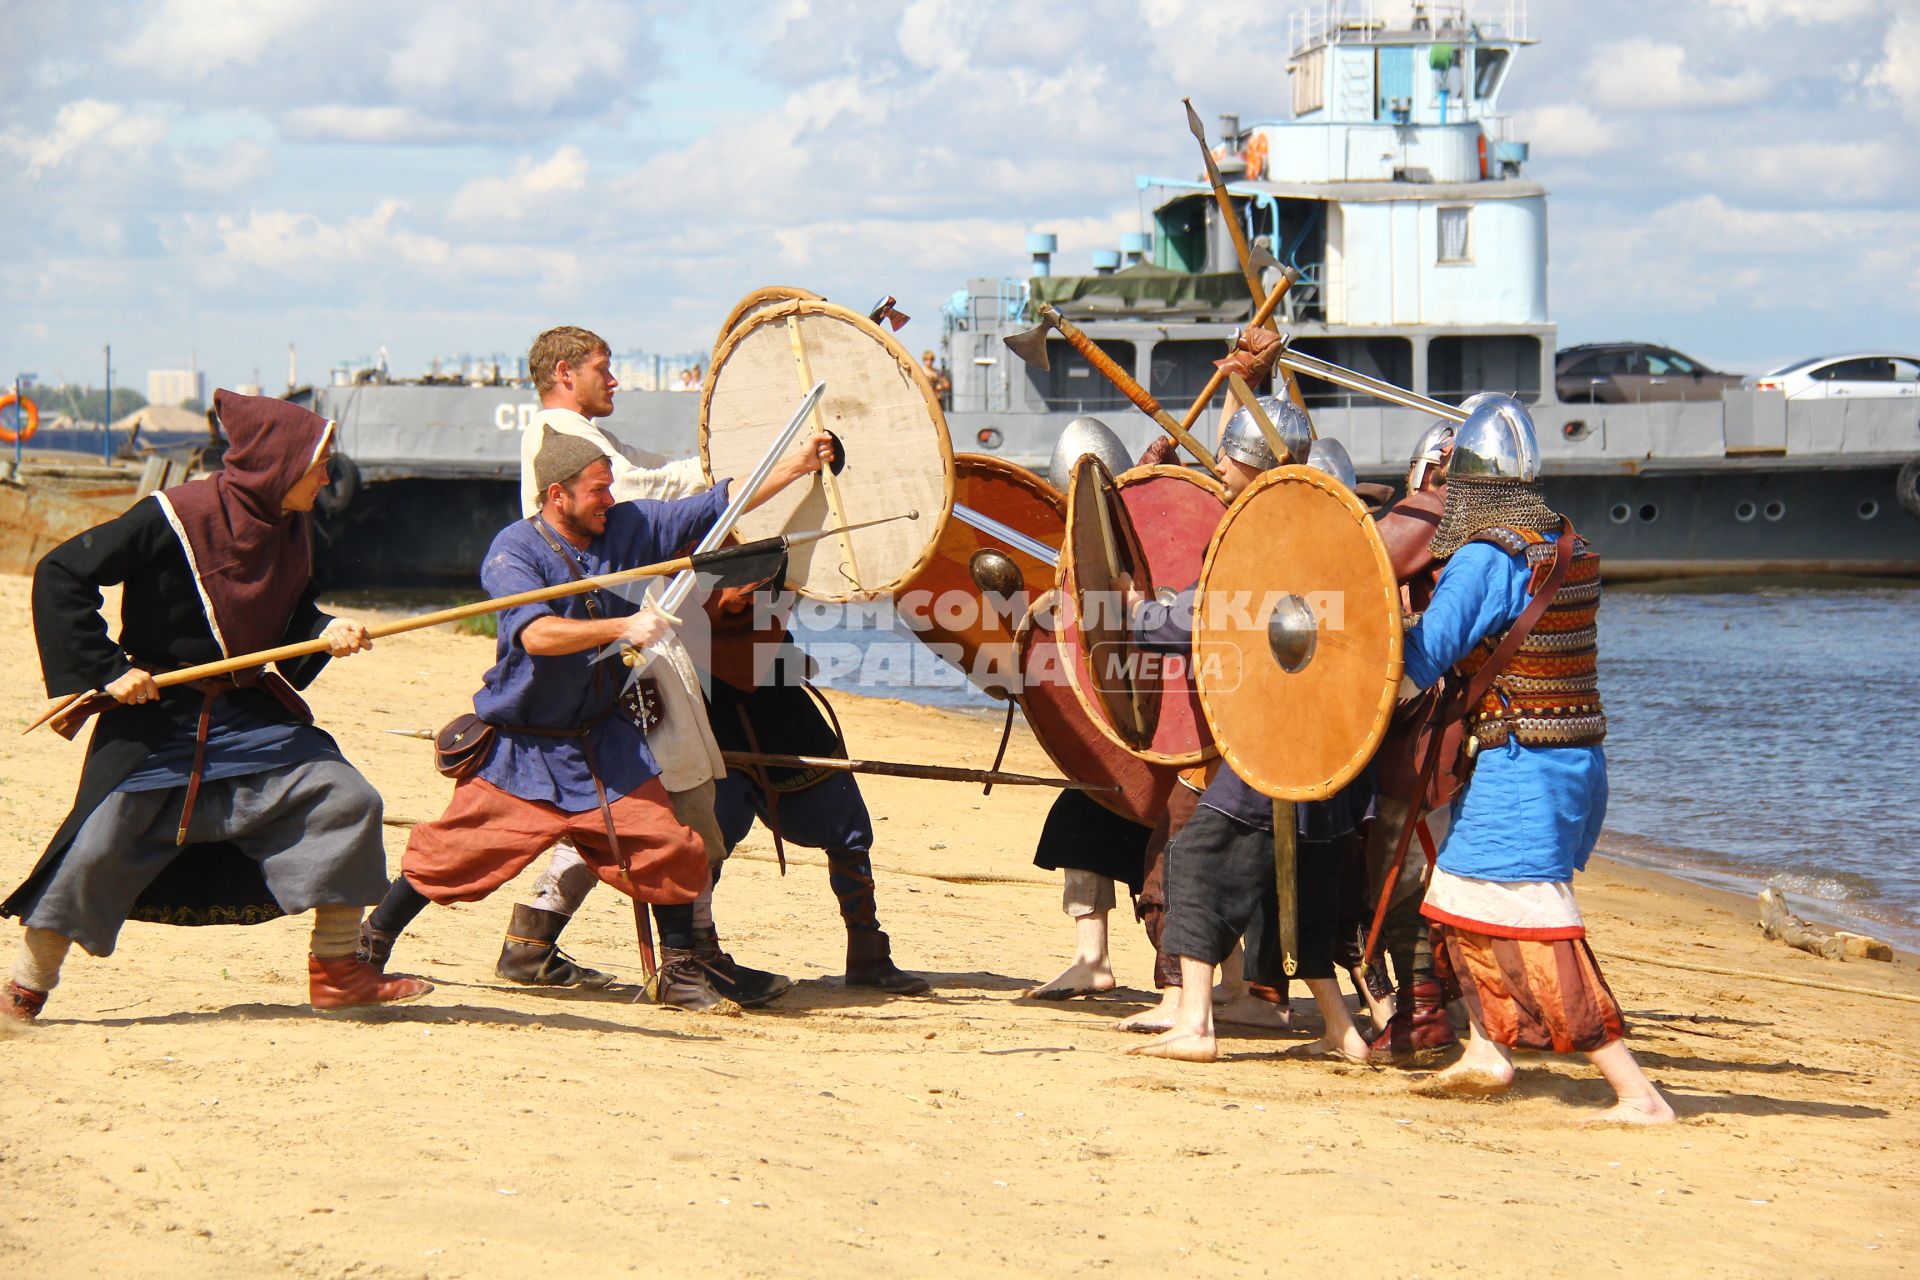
(164, 624)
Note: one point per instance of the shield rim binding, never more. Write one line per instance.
(1142, 700)
(754, 302)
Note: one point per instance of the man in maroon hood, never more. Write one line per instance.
(219, 801)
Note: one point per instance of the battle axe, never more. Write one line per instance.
(1031, 347)
(884, 312)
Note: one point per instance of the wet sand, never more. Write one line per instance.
(180, 1112)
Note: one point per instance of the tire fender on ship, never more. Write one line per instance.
(339, 492)
(1907, 487)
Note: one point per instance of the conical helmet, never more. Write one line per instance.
(1082, 436)
(1242, 440)
(1429, 451)
(1330, 456)
(1496, 442)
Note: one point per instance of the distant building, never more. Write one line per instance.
(171, 386)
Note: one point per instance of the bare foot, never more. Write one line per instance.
(1081, 978)
(1251, 1011)
(1636, 1110)
(1462, 1080)
(1157, 1019)
(1182, 1046)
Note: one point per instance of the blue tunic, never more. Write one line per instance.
(567, 690)
(1529, 813)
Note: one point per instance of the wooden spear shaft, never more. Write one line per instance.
(1142, 399)
(894, 769)
(227, 666)
(1219, 379)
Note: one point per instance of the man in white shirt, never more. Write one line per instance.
(571, 371)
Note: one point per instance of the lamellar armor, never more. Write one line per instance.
(1549, 694)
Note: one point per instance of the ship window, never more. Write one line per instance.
(1390, 359)
(1454, 243)
(1072, 385)
(1507, 362)
(1621, 513)
(1487, 67)
(1869, 509)
(1775, 510)
(1745, 512)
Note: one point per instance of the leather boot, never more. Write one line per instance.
(749, 988)
(347, 982)
(1419, 1034)
(870, 964)
(22, 1004)
(531, 954)
(684, 983)
(376, 946)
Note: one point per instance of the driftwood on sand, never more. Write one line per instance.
(1782, 925)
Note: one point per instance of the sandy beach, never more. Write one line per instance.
(181, 1112)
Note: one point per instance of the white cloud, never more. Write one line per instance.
(529, 187)
(342, 122)
(1646, 75)
(1761, 13)
(1898, 72)
(1565, 129)
(1826, 172)
(85, 130)
(241, 163)
(195, 39)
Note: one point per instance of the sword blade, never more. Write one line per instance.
(1008, 534)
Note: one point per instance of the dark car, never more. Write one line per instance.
(1630, 372)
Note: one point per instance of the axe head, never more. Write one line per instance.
(884, 312)
(1031, 346)
(1260, 260)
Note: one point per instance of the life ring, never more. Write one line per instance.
(28, 407)
(1257, 158)
(1907, 487)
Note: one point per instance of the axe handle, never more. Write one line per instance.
(1142, 398)
(1251, 403)
(1287, 276)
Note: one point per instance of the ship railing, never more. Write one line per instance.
(1360, 21)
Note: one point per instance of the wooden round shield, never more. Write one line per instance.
(759, 300)
(1058, 716)
(1101, 558)
(968, 599)
(895, 456)
(1174, 513)
(1297, 635)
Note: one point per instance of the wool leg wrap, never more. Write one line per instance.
(42, 952)
(336, 931)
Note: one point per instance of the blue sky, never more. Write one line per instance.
(1735, 177)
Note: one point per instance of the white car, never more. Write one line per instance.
(1865, 375)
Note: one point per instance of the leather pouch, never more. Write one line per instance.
(462, 745)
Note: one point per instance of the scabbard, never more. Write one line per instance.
(1286, 885)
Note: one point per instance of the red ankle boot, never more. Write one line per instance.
(22, 1004)
(346, 982)
(1418, 1034)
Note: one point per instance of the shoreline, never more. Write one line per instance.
(182, 1110)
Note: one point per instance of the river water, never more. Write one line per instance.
(1756, 736)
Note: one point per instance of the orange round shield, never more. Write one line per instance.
(969, 598)
(1297, 635)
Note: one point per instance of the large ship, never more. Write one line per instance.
(1399, 194)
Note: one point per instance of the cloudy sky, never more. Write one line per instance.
(1736, 177)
